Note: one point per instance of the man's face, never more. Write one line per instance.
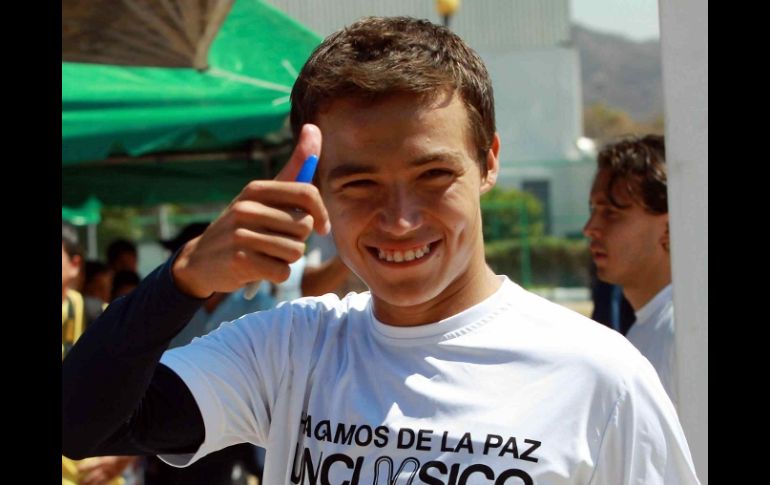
(628, 245)
(401, 182)
(70, 267)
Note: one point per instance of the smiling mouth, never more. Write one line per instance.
(402, 256)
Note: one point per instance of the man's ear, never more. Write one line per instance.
(77, 264)
(493, 165)
(665, 239)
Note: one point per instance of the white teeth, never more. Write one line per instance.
(401, 256)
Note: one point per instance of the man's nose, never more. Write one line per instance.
(402, 211)
(591, 230)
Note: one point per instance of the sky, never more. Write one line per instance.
(635, 19)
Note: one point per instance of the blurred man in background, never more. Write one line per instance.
(122, 256)
(629, 236)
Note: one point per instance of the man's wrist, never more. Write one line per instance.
(182, 278)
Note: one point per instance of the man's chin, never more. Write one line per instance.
(605, 275)
(402, 295)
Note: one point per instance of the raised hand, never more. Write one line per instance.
(260, 233)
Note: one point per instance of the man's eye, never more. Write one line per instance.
(361, 183)
(436, 173)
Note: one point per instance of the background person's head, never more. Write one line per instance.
(639, 164)
(71, 257)
(377, 57)
(98, 280)
(122, 255)
(188, 232)
(628, 226)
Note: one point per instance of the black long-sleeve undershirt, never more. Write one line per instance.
(117, 399)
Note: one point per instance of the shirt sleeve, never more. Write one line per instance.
(167, 420)
(234, 374)
(643, 442)
(107, 374)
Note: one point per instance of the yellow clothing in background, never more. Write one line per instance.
(72, 321)
(72, 326)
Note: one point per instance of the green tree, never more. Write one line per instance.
(511, 213)
(117, 223)
(603, 123)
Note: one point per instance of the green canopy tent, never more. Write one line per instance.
(193, 133)
(87, 214)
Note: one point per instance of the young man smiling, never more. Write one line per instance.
(406, 178)
(443, 373)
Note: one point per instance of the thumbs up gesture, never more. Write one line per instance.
(260, 233)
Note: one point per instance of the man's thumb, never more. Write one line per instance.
(309, 143)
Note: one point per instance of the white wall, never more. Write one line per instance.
(150, 255)
(537, 103)
(538, 110)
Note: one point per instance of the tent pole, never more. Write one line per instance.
(164, 230)
(93, 252)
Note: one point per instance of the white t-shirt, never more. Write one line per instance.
(653, 334)
(514, 390)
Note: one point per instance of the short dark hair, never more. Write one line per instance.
(118, 247)
(640, 163)
(188, 233)
(376, 57)
(94, 268)
(70, 240)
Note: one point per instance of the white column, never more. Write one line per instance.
(684, 48)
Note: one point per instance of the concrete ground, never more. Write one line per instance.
(582, 307)
(577, 299)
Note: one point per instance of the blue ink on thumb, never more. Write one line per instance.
(308, 169)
